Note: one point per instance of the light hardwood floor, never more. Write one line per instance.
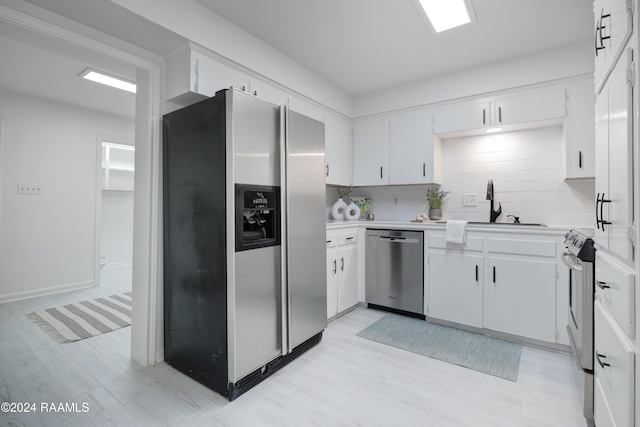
(343, 381)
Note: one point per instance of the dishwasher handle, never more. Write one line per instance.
(399, 239)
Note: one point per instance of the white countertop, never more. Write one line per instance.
(435, 225)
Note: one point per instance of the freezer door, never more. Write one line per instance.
(254, 305)
(256, 312)
(305, 228)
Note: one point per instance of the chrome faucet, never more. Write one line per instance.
(493, 214)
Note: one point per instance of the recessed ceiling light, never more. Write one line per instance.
(493, 130)
(446, 14)
(109, 80)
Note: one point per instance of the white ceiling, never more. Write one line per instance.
(366, 45)
(360, 46)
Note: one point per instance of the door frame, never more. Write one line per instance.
(146, 329)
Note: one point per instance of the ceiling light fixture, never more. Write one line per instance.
(446, 14)
(109, 80)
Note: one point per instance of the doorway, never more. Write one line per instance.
(146, 316)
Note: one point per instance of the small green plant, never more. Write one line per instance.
(435, 198)
(343, 192)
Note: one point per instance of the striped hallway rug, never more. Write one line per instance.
(73, 322)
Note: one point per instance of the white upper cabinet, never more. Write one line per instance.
(529, 107)
(462, 117)
(613, 25)
(371, 152)
(192, 76)
(412, 149)
(398, 149)
(518, 109)
(579, 131)
(338, 151)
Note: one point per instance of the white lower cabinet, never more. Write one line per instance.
(614, 368)
(342, 271)
(455, 283)
(520, 297)
(506, 285)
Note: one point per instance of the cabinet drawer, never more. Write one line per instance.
(471, 243)
(614, 367)
(522, 247)
(615, 289)
(332, 240)
(347, 237)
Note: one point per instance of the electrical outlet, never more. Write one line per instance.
(33, 189)
(396, 198)
(469, 199)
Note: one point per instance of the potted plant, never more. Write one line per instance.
(435, 198)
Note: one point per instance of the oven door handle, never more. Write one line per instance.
(567, 260)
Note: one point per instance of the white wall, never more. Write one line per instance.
(547, 66)
(528, 174)
(527, 168)
(47, 242)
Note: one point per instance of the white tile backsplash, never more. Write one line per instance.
(527, 169)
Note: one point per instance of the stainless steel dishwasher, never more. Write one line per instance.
(395, 270)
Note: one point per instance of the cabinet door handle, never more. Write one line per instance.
(484, 116)
(335, 266)
(602, 285)
(603, 222)
(580, 159)
(598, 33)
(494, 274)
(341, 263)
(327, 169)
(599, 357)
(500, 114)
(601, 27)
(476, 272)
(349, 238)
(424, 169)
(597, 219)
(380, 172)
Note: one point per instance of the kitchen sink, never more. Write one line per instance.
(516, 224)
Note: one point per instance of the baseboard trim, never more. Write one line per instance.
(46, 291)
(116, 265)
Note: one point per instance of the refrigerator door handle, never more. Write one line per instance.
(284, 240)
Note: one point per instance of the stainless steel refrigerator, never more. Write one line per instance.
(244, 239)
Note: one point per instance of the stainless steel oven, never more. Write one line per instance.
(580, 258)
